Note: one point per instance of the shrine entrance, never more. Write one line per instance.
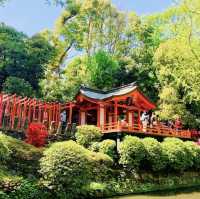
(91, 118)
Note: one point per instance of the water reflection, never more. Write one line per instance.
(183, 194)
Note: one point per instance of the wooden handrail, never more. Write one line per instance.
(155, 130)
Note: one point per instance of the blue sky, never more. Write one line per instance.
(32, 16)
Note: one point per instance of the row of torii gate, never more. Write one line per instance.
(17, 112)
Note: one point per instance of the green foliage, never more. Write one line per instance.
(18, 86)
(155, 156)
(25, 156)
(23, 57)
(103, 69)
(3, 195)
(108, 147)
(4, 152)
(194, 150)
(96, 190)
(94, 146)
(179, 157)
(86, 134)
(132, 152)
(2, 2)
(65, 168)
(101, 165)
(28, 190)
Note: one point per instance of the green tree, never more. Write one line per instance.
(23, 57)
(2, 2)
(103, 69)
(15, 85)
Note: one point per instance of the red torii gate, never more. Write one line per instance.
(16, 112)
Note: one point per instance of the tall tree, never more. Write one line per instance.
(177, 60)
(23, 57)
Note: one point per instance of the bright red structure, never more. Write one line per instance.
(93, 107)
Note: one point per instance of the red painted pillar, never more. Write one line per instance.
(139, 115)
(34, 106)
(29, 111)
(19, 111)
(54, 112)
(39, 111)
(14, 107)
(24, 113)
(70, 113)
(115, 112)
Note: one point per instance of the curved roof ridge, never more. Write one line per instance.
(133, 84)
(102, 95)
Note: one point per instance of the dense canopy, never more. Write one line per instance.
(96, 44)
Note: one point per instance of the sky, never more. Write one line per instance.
(32, 16)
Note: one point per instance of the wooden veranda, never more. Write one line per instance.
(157, 130)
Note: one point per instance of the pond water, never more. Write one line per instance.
(186, 194)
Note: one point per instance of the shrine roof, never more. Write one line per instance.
(102, 95)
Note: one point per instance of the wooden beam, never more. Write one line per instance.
(70, 113)
(115, 111)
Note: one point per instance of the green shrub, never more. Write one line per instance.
(96, 190)
(132, 152)
(86, 134)
(22, 157)
(3, 195)
(28, 190)
(100, 166)
(194, 150)
(19, 86)
(4, 152)
(94, 146)
(65, 168)
(155, 156)
(178, 156)
(108, 147)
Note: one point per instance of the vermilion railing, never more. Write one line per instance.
(159, 130)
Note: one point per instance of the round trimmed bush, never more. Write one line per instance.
(100, 166)
(86, 134)
(132, 152)
(65, 168)
(178, 156)
(155, 155)
(194, 150)
(108, 147)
